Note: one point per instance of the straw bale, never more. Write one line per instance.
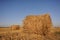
(15, 27)
(39, 24)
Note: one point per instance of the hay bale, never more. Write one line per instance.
(15, 27)
(39, 24)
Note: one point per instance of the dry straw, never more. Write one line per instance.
(38, 24)
(15, 27)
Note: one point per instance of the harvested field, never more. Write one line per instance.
(3, 29)
(18, 35)
(35, 27)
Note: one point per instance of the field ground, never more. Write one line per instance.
(8, 34)
(3, 29)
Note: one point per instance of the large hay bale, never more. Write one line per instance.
(15, 27)
(39, 24)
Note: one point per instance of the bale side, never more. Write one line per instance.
(38, 24)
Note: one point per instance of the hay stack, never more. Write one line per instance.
(38, 24)
(15, 27)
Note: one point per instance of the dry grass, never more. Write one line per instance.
(57, 29)
(34, 28)
(20, 35)
(5, 29)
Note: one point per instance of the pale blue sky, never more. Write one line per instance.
(14, 11)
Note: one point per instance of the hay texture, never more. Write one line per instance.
(38, 24)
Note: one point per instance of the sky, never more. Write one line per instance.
(14, 11)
